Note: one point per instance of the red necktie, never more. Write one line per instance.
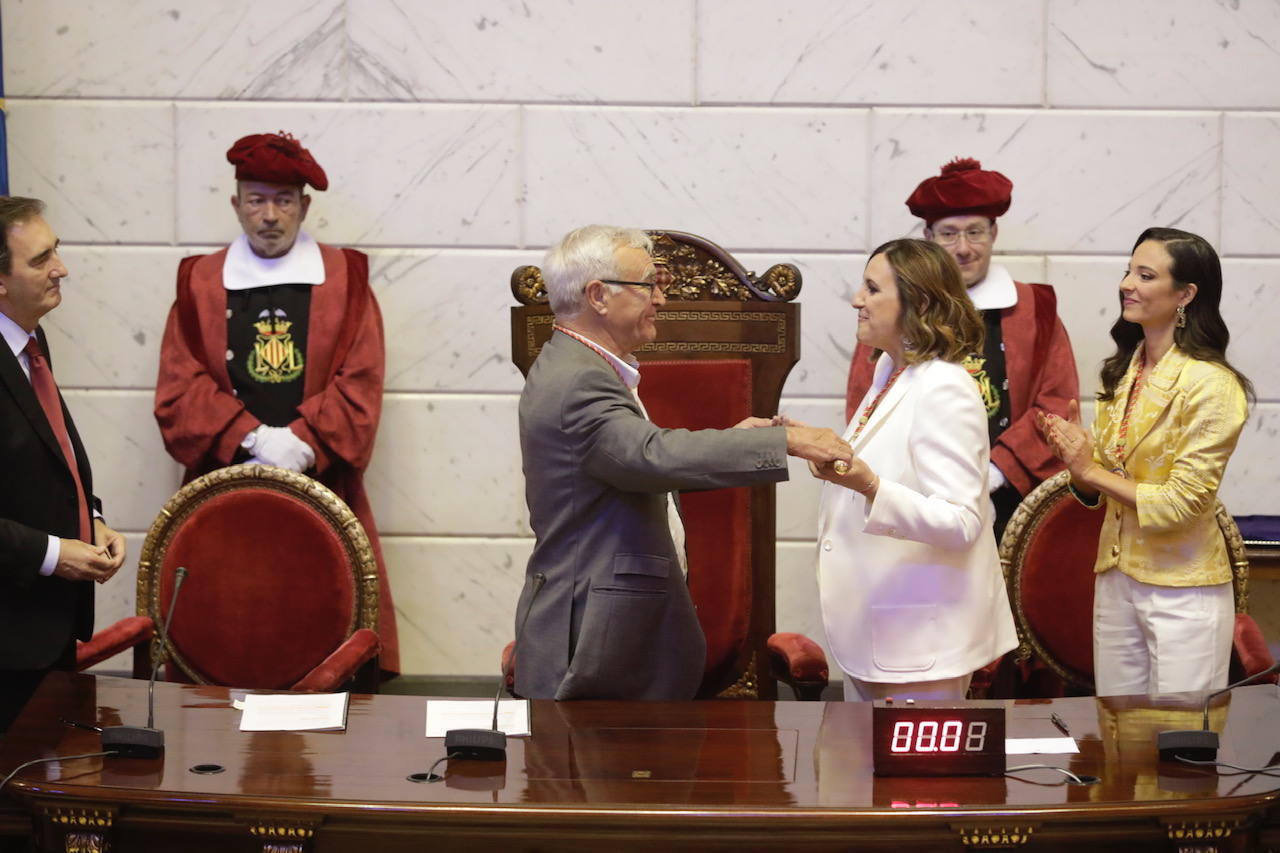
(47, 393)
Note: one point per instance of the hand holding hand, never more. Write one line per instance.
(111, 542)
(80, 561)
(859, 477)
(752, 423)
(817, 444)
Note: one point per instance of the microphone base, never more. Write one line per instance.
(133, 741)
(476, 744)
(1193, 745)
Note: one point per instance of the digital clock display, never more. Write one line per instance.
(938, 738)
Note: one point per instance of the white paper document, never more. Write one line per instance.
(446, 714)
(296, 712)
(1040, 746)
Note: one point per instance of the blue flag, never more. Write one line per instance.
(4, 141)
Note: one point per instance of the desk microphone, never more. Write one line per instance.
(1201, 744)
(490, 744)
(148, 741)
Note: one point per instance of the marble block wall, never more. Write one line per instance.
(461, 138)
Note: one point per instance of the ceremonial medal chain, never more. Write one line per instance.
(871, 407)
(1122, 435)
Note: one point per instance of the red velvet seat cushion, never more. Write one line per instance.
(1250, 654)
(269, 594)
(1057, 583)
(710, 394)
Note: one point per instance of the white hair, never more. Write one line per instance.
(584, 255)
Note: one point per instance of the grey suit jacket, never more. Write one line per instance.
(614, 619)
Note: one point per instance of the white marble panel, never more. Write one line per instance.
(1251, 309)
(105, 168)
(906, 52)
(1087, 289)
(106, 333)
(796, 600)
(1250, 484)
(1178, 53)
(116, 599)
(506, 50)
(1087, 303)
(785, 178)
(797, 515)
(163, 49)
(448, 465)
(1250, 183)
(445, 315)
(1082, 181)
(399, 175)
(455, 601)
(132, 474)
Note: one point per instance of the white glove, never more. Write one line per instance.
(995, 478)
(279, 446)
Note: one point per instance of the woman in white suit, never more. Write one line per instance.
(913, 597)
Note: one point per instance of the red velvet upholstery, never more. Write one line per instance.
(113, 640)
(341, 666)
(281, 588)
(254, 558)
(1249, 651)
(1056, 589)
(710, 395)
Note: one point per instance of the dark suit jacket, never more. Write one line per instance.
(38, 615)
(614, 620)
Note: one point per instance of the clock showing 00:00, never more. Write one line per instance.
(938, 738)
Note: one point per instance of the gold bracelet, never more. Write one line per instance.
(875, 480)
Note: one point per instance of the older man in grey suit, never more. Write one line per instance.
(609, 613)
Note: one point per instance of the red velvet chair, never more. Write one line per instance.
(726, 342)
(281, 590)
(1048, 552)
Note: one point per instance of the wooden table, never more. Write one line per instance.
(725, 775)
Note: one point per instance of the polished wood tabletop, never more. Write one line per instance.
(744, 773)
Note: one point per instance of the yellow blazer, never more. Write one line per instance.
(1182, 431)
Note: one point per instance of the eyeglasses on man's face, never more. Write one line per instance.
(977, 235)
(661, 285)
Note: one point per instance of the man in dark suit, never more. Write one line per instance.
(612, 617)
(53, 540)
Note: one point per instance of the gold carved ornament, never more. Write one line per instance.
(993, 837)
(327, 505)
(696, 269)
(86, 828)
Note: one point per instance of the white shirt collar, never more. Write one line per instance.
(994, 291)
(14, 335)
(628, 371)
(243, 270)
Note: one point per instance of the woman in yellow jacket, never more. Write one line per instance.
(1169, 413)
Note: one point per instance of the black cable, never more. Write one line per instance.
(36, 761)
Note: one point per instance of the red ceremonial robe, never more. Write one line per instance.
(203, 422)
(1042, 377)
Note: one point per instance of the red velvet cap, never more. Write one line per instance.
(276, 158)
(962, 188)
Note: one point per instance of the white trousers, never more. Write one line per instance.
(944, 689)
(1160, 639)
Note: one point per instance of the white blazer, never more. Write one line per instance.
(911, 586)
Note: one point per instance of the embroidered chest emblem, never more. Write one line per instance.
(274, 358)
(977, 367)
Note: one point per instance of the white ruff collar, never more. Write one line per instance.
(243, 270)
(994, 291)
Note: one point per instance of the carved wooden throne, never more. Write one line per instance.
(726, 341)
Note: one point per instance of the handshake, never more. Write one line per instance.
(818, 445)
(279, 446)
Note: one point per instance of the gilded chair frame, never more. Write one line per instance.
(327, 505)
(1017, 538)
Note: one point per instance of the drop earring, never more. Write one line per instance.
(1182, 317)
